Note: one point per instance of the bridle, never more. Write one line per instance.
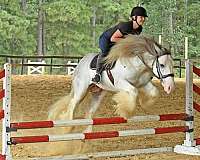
(160, 75)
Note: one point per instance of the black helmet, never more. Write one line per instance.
(139, 11)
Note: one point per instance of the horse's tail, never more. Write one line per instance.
(58, 110)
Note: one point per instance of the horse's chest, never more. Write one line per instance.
(140, 78)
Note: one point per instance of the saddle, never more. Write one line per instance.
(107, 68)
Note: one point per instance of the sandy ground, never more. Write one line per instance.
(33, 95)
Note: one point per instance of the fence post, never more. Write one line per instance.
(70, 70)
(36, 69)
(22, 67)
(51, 68)
(180, 70)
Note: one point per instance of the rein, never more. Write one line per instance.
(160, 75)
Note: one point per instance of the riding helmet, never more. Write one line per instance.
(139, 11)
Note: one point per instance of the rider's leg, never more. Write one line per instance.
(105, 47)
(99, 68)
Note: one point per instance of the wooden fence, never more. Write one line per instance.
(59, 64)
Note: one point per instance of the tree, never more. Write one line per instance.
(73, 27)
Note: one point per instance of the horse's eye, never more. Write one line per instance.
(162, 65)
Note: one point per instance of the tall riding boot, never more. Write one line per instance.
(97, 77)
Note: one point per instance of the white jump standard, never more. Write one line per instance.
(190, 144)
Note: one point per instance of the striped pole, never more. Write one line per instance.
(6, 95)
(2, 74)
(189, 146)
(97, 121)
(196, 71)
(97, 135)
(196, 106)
(111, 154)
(1, 114)
(2, 94)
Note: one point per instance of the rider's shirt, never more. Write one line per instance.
(124, 27)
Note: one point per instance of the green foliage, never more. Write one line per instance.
(15, 30)
(70, 28)
(175, 20)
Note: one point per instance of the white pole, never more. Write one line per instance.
(160, 39)
(186, 47)
(189, 103)
(189, 146)
(6, 108)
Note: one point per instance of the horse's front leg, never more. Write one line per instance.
(126, 100)
(94, 105)
(148, 95)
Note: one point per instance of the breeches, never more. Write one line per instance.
(104, 45)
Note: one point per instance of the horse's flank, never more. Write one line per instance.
(131, 46)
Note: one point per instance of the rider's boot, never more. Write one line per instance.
(97, 77)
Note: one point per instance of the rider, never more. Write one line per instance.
(112, 35)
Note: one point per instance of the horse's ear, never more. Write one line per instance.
(165, 50)
(157, 49)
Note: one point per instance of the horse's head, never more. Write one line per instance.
(134, 45)
(163, 68)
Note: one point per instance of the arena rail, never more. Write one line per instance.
(190, 145)
(21, 62)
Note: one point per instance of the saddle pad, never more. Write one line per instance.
(93, 64)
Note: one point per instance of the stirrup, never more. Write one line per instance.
(97, 78)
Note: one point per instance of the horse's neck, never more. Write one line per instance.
(147, 59)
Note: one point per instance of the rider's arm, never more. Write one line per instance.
(116, 36)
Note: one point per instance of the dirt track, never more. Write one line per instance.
(32, 96)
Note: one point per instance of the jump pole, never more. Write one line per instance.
(6, 75)
(97, 135)
(96, 121)
(189, 146)
(111, 154)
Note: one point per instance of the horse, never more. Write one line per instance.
(132, 61)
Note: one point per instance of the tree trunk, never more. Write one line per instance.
(40, 31)
(24, 5)
(43, 34)
(94, 26)
(171, 27)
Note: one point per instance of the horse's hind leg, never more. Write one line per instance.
(95, 103)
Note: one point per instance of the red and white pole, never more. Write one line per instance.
(97, 121)
(97, 135)
(6, 154)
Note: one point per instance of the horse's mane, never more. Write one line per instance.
(131, 46)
